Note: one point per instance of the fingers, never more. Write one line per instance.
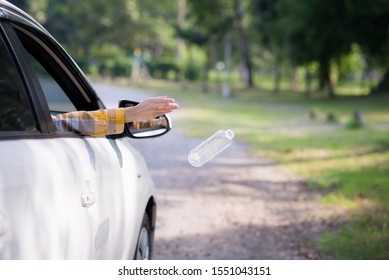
(162, 112)
(151, 108)
(164, 109)
(163, 104)
(162, 99)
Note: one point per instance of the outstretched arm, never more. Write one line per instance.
(111, 121)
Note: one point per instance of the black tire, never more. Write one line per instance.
(143, 246)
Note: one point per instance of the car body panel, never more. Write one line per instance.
(41, 188)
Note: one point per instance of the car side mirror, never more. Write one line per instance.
(147, 128)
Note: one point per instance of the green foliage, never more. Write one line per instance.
(161, 69)
(324, 31)
(370, 27)
(212, 15)
(119, 67)
(355, 121)
(107, 60)
(192, 72)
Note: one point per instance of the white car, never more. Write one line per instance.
(64, 195)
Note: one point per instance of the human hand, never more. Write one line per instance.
(150, 108)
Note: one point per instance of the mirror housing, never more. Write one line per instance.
(148, 128)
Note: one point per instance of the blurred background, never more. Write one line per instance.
(327, 45)
(305, 83)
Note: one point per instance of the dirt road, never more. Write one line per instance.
(234, 207)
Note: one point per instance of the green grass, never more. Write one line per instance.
(348, 165)
(364, 237)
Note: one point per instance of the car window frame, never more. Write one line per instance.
(40, 122)
(72, 76)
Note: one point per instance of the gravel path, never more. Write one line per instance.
(236, 206)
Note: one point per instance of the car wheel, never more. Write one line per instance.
(143, 247)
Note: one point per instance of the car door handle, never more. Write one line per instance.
(88, 199)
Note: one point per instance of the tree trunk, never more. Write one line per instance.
(277, 79)
(246, 57)
(207, 67)
(383, 85)
(325, 77)
(308, 83)
(244, 43)
(277, 75)
(293, 79)
(181, 5)
(180, 21)
(226, 89)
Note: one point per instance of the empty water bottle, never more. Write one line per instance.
(210, 147)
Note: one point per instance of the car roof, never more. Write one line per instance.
(12, 13)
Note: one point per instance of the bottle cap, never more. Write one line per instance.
(229, 134)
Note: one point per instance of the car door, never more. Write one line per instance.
(80, 174)
(40, 218)
(99, 159)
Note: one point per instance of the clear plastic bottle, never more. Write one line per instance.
(208, 149)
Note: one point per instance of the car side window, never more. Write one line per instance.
(56, 80)
(56, 98)
(15, 110)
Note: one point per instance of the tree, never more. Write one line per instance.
(217, 19)
(239, 7)
(270, 33)
(316, 30)
(95, 26)
(370, 28)
(181, 8)
(324, 31)
(205, 28)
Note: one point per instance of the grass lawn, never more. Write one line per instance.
(349, 165)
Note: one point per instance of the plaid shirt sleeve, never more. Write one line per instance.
(94, 123)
